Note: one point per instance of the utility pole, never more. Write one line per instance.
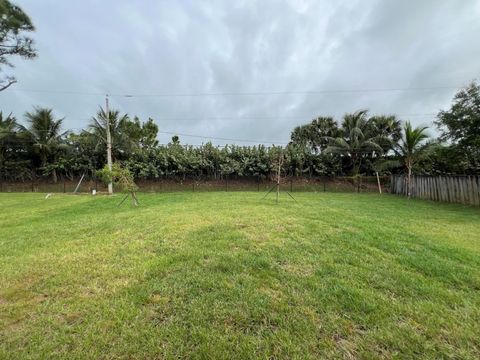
(278, 174)
(109, 143)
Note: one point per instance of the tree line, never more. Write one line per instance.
(359, 144)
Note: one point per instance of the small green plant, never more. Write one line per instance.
(121, 178)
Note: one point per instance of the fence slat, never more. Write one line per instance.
(443, 189)
(458, 189)
(476, 191)
(471, 191)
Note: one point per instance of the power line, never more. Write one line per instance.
(293, 117)
(195, 136)
(223, 139)
(240, 118)
(255, 93)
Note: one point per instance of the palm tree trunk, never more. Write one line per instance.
(43, 160)
(356, 168)
(356, 171)
(409, 179)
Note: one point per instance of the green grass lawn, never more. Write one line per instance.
(227, 275)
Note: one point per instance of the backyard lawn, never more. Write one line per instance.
(232, 276)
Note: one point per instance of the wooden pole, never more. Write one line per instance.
(378, 182)
(278, 176)
(109, 143)
(78, 185)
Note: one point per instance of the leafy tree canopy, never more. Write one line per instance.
(14, 23)
(461, 123)
(315, 135)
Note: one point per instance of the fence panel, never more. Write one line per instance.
(458, 189)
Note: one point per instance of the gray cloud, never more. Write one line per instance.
(192, 47)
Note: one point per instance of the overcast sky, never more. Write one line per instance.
(249, 64)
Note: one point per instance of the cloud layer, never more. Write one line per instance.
(217, 50)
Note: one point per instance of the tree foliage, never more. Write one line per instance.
(460, 127)
(14, 23)
(120, 176)
(411, 148)
(357, 140)
(314, 136)
(45, 137)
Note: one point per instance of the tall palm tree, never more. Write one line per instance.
(44, 132)
(98, 126)
(411, 148)
(387, 126)
(8, 127)
(356, 140)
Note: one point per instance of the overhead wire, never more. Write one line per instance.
(257, 93)
(127, 94)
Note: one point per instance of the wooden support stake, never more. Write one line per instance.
(378, 182)
(78, 185)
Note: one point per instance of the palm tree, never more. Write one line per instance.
(356, 140)
(387, 126)
(411, 148)
(98, 125)
(44, 132)
(8, 127)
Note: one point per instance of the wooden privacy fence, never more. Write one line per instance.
(456, 189)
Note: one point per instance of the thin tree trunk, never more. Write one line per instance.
(409, 179)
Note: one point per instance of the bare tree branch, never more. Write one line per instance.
(8, 84)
